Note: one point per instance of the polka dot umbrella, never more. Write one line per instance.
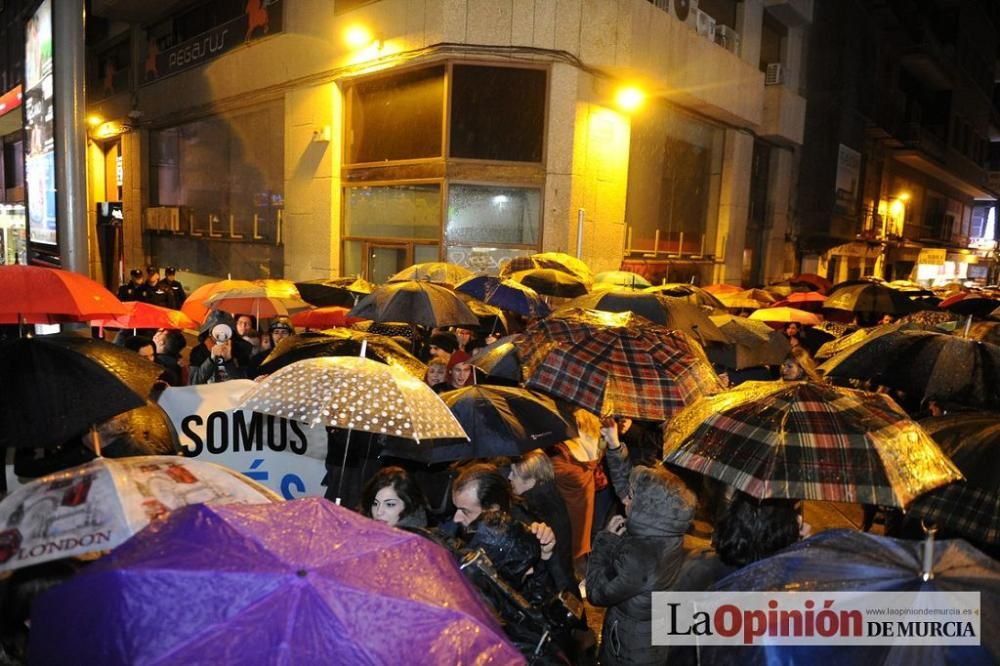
(357, 394)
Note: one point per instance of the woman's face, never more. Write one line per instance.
(387, 507)
(791, 371)
(520, 484)
(436, 374)
(460, 374)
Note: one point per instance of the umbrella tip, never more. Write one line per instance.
(927, 567)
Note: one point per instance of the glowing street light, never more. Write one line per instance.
(629, 98)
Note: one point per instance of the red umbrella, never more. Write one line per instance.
(812, 280)
(195, 306)
(50, 295)
(147, 315)
(328, 317)
(969, 303)
(803, 300)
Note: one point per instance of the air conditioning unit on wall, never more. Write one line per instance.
(774, 75)
(686, 11)
(704, 25)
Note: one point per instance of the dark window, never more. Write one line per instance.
(396, 117)
(498, 113)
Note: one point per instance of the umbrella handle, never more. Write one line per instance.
(343, 467)
(927, 572)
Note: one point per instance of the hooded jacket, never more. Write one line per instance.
(624, 570)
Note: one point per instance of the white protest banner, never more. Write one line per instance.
(286, 456)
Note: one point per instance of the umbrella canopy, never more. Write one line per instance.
(869, 297)
(664, 310)
(806, 440)
(500, 359)
(971, 509)
(341, 342)
(849, 560)
(345, 292)
(558, 261)
(970, 303)
(986, 331)
(145, 430)
(328, 317)
(784, 315)
(835, 329)
(438, 272)
(56, 387)
(301, 582)
(500, 421)
(53, 295)
(422, 303)
(837, 345)
(354, 393)
(813, 281)
(723, 289)
(491, 318)
(258, 300)
(146, 315)
(925, 364)
(551, 282)
(505, 294)
(929, 318)
(749, 344)
(194, 305)
(689, 292)
(803, 300)
(616, 363)
(622, 279)
(99, 505)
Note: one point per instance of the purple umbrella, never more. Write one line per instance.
(301, 582)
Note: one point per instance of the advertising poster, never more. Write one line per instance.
(39, 123)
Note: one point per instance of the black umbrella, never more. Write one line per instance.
(341, 342)
(500, 421)
(500, 358)
(56, 387)
(344, 292)
(970, 508)
(422, 303)
(551, 282)
(690, 293)
(750, 343)
(672, 312)
(144, 431)
(869, 297)
(925, 364)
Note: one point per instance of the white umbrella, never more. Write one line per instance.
(99, 505)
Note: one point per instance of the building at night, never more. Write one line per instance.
(304, 139)
(901, 132)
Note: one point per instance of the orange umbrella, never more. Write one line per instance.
(723, 289)
(147, 315)
(328, 317)
(784, 315)
(195, 306)
(34, 294)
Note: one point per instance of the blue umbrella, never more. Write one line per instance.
(849, 560)
(505, 294)
(305, 583)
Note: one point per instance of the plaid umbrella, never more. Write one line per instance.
(806, 440)
(616, 363)
(925, 364)
(671, 312)
(972, 440)
(689, 292)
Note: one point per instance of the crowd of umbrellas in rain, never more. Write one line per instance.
(892, 402)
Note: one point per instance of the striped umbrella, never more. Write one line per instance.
(616, 363)
(803, 440)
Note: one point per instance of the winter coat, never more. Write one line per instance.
(545, 503)
(624, 570)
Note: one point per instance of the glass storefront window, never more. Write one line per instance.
(485, 260)
(393, 211)
(485, 215)
(498, 113)
(674, 174)
(396, 117)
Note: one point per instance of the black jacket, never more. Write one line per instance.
(547, 505)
